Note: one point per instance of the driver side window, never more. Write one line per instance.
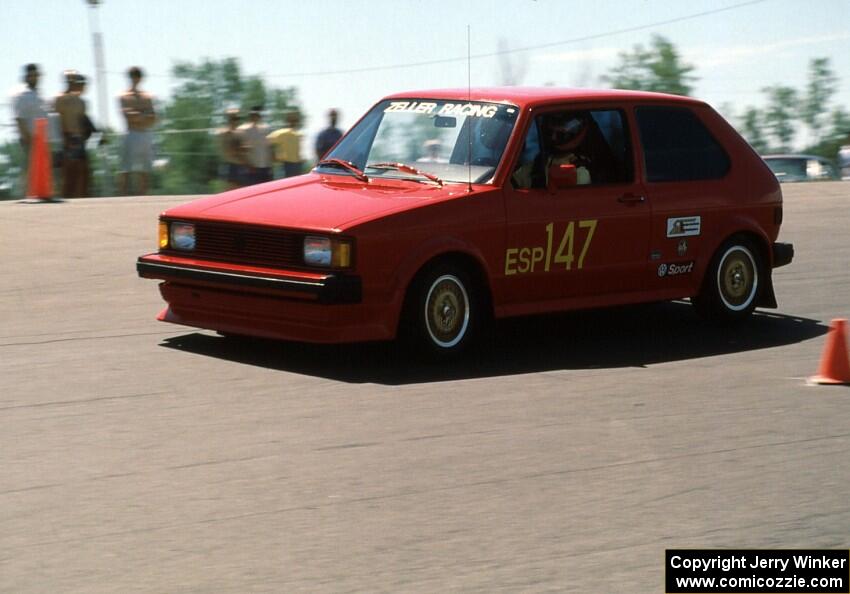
(596, 142)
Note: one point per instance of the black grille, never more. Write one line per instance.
(259, 246)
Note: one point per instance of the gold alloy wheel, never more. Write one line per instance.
(447, 311)
(737, 278)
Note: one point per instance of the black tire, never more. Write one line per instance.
(733, 282)
(444, 312)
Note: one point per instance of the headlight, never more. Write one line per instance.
(182, 236)
(324, 251)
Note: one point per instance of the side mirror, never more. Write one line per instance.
(562, 176)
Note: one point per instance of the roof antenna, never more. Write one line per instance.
(469, 101)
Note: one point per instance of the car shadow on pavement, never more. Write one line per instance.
(633, 336)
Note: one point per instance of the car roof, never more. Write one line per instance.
(538, 96)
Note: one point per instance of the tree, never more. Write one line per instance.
(837, 136)
(187, 143)
(752, 128)
(840, 125)
(819, 91)
(780, 114)
(204, 91)
(658, 68)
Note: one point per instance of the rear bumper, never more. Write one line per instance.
(783, 253)
(285, 305)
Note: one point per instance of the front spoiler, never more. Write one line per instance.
(329, 289)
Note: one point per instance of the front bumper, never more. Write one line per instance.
(287, 305)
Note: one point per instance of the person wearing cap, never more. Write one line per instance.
(233, 150)
(286, 144)
(329, 136)
(259, 155)
(72, 111)
(27, 106)
(137, 154)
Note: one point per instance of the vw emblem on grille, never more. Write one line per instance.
(239, 242)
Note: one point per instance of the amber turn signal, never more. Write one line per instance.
(163, 235)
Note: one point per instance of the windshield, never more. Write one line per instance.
(450, 141)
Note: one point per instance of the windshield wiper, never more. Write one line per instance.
(345, 165)
(407, 169)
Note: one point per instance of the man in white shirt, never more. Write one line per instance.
(258, 149)
(27, 106)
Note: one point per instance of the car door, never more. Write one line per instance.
(588, 240)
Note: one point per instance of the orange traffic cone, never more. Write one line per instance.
(40, 182)
(834, 364)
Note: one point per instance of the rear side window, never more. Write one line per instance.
(678, 147)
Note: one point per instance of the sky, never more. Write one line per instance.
(348, 54)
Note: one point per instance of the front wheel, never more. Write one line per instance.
(443, 314)
(732, 284)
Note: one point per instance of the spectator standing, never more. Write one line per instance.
(286, 144)
(72, 111)
(88, 129)
(329, 136)
(137, 153)
(233, 150)
(27, 106)
(259, 154)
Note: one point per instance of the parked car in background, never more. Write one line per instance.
(844, 161)
(798, 168)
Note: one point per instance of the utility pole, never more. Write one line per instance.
(102, 96)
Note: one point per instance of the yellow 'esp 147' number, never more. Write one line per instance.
(525, 259)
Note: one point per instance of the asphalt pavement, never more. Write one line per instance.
(139, 456)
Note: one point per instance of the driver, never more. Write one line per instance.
(565, 134)
(562, 136)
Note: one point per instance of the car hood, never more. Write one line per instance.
(317, 202)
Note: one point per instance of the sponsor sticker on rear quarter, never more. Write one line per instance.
(683, 226)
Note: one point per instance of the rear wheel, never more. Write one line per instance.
(732, 284)
(443, 313)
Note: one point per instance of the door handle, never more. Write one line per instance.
(631, 199)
